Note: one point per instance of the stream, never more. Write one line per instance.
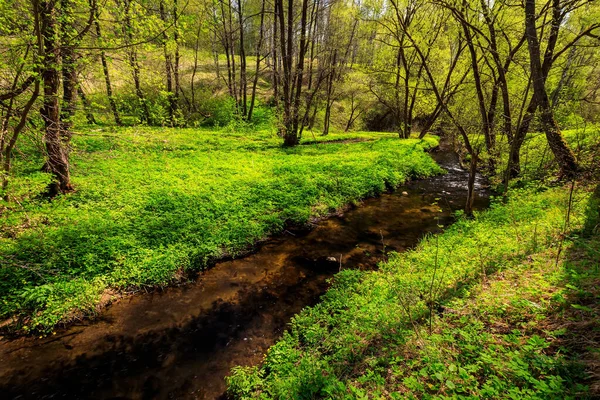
(181, 342)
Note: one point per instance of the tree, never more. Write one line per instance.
(563, 154)
(292, 56)
(109, 90)
(57, 162)
(132, 57)
(560, 11)
(25, 84)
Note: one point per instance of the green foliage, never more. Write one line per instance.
(493, 282)
(537, 160)
(153, 204)
(214, 111)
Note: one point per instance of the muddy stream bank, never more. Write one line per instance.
(182, 342)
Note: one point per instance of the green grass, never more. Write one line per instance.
(153, 204)
(480, 311)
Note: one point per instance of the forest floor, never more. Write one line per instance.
(154, 205)
(503, 306)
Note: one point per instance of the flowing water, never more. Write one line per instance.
(183, 341)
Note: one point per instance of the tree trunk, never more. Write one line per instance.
(57, 162)
(243, 96)
(328, 99)
(226, 40)
(490, 139)
(275, 76)
(69, 71)
(562, 153)
(193, 106)
(111, 100)
(514, 160)
(327, 120)
(286, 40)
(232, 53)
(302, 50)
(258, 59)
(69, 75)
(177, 57)
(134, 64)
(514, 167)
(168, 66)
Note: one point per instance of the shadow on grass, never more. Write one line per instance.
(578, 321)
(571, 326)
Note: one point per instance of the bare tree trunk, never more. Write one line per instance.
(286, 40)
(168, 63)
(297, 130)
(177, 57)
(134, 64)
(243, 96)
(258, 60)
(57, 162)
(292, 80)
(563, 154)
(69, 72)
(397, 108)
(226, 39)
(501, 70)
(195, 69)
(111, 100)
(275, 76)
(232, 54)
(490, 138)
(514, 158)
(327, 118)
(459, 127)
(329, 93)
(405, 131)
(351, 118)
(514, 167)
(314, 41)
(69, 76)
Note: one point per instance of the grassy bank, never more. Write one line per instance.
(153, 204)
(493, 308)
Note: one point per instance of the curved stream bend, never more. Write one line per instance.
(182, 342)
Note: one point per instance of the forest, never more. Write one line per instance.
(300, 199)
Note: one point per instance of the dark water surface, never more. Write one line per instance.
(182, 342)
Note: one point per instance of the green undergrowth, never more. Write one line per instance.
(490, 308)
(537, 160)
(153, 204)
